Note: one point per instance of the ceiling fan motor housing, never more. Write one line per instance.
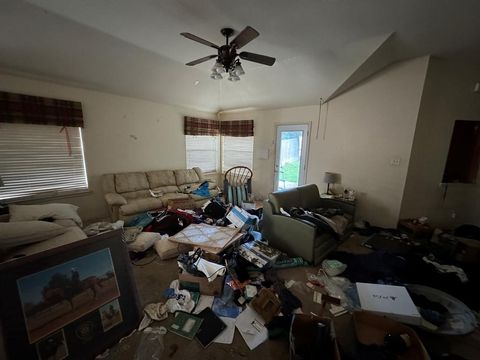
(227, 55)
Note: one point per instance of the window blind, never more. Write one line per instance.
(202, 151)
(237, 151)
(37, 160)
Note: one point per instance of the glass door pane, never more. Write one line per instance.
(290, 156)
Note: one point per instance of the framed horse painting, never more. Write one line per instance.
(70, 302)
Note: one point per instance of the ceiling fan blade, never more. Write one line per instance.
(198, 61)
(245, 36)
(262, 59)
(199, 39)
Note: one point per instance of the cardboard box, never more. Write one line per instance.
(389, 300)
(371, 329)
(468, 250)
(303, 331)
(200, 284)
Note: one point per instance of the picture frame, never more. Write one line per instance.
(69, 302)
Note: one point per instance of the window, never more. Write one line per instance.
(35, 160)
(202, 151)
(237, 151)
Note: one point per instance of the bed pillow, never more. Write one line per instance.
(143, 241)
(167, 249)
(26, 232)
(44, 211)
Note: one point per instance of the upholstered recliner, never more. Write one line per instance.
(128, 194)
(299, 237)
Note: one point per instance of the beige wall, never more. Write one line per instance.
(360, 132)
(448, 96)
(121, 134)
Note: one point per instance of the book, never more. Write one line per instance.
(185, 325)
(258, 253)
(210, 328)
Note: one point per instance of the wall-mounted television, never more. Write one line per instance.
(464, 153)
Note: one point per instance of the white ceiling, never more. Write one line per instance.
(133, 47)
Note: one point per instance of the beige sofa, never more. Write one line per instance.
(128, 194)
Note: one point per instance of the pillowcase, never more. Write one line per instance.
(143, 241)
(39, 212)
(27, 232)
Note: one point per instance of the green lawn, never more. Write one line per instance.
(290, 171)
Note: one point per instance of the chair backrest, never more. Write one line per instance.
(237, 184)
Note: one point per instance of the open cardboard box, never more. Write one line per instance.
(371, 329)
(201, 284)
(302, 333)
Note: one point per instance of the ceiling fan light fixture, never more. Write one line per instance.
(239, 69)
(227, 60)
(233, 77)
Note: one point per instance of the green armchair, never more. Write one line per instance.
(298, 237)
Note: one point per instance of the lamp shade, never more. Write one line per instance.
(332, 178)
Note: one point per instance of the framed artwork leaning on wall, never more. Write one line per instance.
(69, 302)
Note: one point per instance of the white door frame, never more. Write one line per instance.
(304, 151)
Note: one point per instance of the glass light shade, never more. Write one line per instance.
(239, 70)
(233, 77)
(218, 76)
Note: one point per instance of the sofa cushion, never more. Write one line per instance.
(161, 178)
(173, 196)
(132, 181)
(18, 233)
(135, 206)
(284, 199)
(186, 176)
(140, 194)
(167, 189)
(309, 196)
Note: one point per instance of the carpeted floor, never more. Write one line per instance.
(155, 277)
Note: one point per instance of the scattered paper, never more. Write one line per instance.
(289, 283)
(337, 310)
(251, 327)
(250, 291)
(203, 302)
(226, 336)
(317, 297)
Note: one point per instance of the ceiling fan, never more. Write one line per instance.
(228, 60)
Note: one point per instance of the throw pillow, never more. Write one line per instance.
(144, 241)
(167, 249)
(44, 211)
(27, 232)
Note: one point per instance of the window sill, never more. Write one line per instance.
(50, 195)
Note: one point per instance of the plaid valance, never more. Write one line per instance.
(26, 109)
(238, 128)
(196, 126)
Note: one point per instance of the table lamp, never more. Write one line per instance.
(331, 178)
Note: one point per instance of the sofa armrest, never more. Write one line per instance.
(113, 199)
(294, 236)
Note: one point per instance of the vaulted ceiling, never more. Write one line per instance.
(133, 47)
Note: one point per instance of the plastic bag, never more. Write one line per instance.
(151, 344)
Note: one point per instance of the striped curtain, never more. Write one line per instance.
(27, 109)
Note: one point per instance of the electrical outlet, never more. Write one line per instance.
(453, 215)
(395, 161)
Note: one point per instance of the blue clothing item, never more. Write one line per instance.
(202, 190)
(142, 220)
